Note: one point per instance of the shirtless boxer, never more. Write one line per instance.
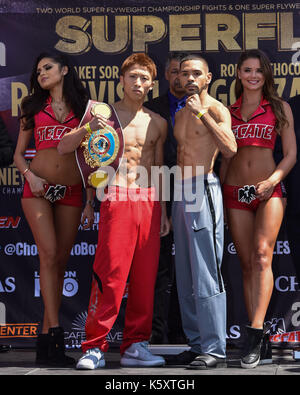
(129, 229)
(202, 129)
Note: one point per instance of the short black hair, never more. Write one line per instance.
(194, 57)
(175, 56)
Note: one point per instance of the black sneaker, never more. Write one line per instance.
(182, 359)
(251, 355)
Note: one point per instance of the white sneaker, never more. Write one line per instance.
(138, 354)
(92, 359)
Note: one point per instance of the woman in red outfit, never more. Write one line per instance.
(254, 196)
(52, 196)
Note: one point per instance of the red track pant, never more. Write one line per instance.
(128, 242)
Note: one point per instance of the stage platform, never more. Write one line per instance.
(22, 362)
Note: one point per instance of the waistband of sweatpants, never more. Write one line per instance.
(118, 192)
(185, 182)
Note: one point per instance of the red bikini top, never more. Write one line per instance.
(48, 131)
(259, 130)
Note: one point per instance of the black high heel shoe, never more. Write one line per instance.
(56, 350)
(266, 348)
(42, 346)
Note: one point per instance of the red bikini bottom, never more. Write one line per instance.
(69, 195)
(244, 197)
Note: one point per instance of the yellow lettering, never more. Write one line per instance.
(221, 29)
(109, 72)
(281, 84)
(74, 37)
(185, 32)
(295, 88)
(147, 29)
(285, 31)
(101, 36)
(214, 91)
(18, 92)
(258, 27)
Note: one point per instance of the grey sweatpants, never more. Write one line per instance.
(199, 240)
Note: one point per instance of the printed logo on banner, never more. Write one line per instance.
(9, 222)
(11, 181)
(8, 285)
(84, 249)
(24, 330)
(25, 249)
(234, 332)
(76, 336)
(70, 287)
(278, 332)
(288, 337)
(281, 248)
(20, 249)
(296, 315)
(287, 284)
(277, 325)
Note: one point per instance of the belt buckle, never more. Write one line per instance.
(247, 194)
(55, 192)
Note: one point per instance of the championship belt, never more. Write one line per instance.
(101, 149)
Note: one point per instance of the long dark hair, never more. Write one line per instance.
(74, 92)
(269, 91)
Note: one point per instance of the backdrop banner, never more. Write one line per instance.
(99, 35)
